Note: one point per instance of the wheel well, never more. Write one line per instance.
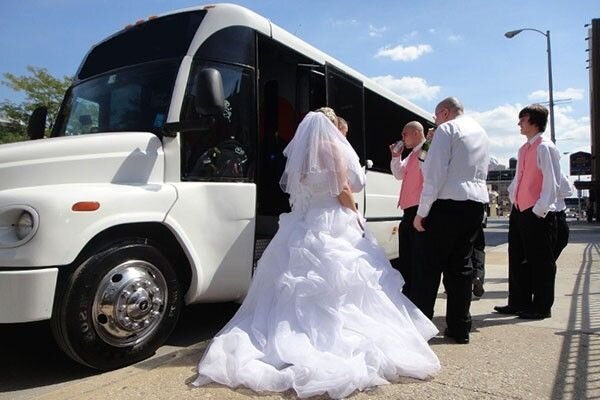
(158, 234)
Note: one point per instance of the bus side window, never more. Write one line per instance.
(224, 150)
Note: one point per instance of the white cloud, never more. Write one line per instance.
(432, 31)
(500, 124)
(376, 32)
(570, 93)
(454, 38)
(409, 87)
(401, 53)
(572, 133)
(409, 36)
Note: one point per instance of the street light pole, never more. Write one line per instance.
(551, 95)
(514, 33)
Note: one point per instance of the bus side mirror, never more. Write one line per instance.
(37, 123)
(210, 98)
(209, 101)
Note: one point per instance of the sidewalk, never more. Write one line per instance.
(508, 358)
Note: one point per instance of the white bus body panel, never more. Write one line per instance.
(120, 158)
(123, 172)
(62, 233)
(381, 202)
(382, 195)
(216, 222)
(27, 295)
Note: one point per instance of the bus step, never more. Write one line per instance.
(259, 247)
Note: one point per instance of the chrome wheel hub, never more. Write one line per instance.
(129, 303)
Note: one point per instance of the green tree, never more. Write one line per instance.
(40, 89)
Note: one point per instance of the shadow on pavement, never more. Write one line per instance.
(31, 358)
(578, 374)
(201, 322)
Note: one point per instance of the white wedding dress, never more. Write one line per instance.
(324, 313)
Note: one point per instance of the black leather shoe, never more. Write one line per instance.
(535, 315)
(478, 289)
(506, 310)
(457, 339)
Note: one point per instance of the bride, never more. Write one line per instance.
(324, 312)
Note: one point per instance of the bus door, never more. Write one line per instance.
(217, 196)
(345, 95)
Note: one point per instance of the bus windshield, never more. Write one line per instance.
(129, 99)
(125, 82)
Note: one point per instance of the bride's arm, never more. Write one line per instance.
(346, 198)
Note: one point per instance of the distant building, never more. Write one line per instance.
(594, 78)
(495, 165)
(498, 181)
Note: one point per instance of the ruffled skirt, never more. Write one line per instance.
(324, 314)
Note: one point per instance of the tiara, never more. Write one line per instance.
(329, 113)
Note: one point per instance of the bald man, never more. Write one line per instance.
(410, 241)
(450, 213)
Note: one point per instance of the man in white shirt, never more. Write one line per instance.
(410, 241)
(532, 231)
(450, 213)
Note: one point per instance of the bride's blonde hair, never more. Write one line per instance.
(330, 114)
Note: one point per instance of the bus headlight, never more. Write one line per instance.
(24, 225)
(18, 224)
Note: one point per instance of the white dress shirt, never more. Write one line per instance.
(456, 164)
(398, 165)
(548, 161)
(565, 190)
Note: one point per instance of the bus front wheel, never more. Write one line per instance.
(118, 306)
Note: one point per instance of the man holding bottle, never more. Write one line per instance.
(408, 170)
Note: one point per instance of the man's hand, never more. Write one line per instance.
(396, 153)
(418, 223)
(430, 134)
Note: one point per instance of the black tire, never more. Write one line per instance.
(86, 341)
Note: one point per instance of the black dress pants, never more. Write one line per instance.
(411, 246)
(562, 233)
(450, 230)
(478, 258)
(531, 261)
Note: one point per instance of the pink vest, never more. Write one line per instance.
(412, 184)
(529, 179)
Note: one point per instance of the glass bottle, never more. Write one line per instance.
(424, 150)
(398, 146)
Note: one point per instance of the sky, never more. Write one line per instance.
(422, 50)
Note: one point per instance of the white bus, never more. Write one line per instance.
(159, 185)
